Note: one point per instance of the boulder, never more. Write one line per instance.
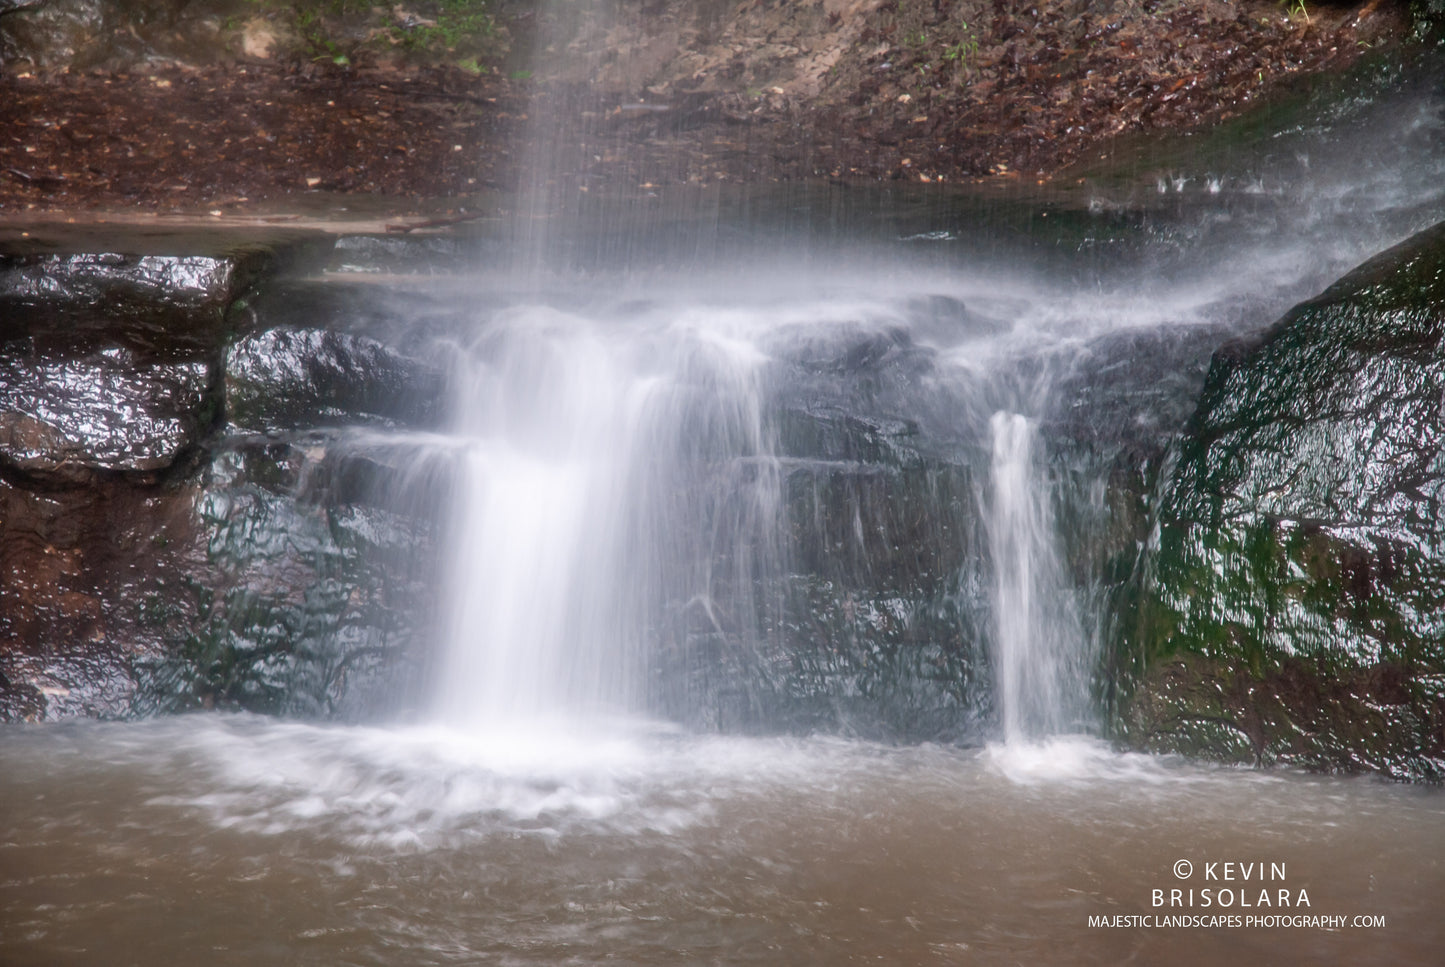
(154, 304)
(1289, 606)
(57, 34)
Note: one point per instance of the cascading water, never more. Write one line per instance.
(545, 448)
(622, 495)
(1038, 643)
(582, 498)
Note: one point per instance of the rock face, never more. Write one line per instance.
(156, 551)
(219, 500)
(1290, 606)
(111, 362)
(86, 33)
(822, 592)
(287, 377)
(302, 598)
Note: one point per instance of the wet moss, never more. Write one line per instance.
(1293, 588)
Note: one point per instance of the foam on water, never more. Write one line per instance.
(431, 787)
(1079, 758)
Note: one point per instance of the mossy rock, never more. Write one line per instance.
(1291, 606)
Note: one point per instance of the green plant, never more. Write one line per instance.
(1295, 8)
(454, 29)
(456, 21)
(963, 52)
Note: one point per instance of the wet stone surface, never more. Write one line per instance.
(110, 362)
(64, 420)
(302, 377)
(155, 304)
(155, 557)
(93, 577)
(304, 604)
(851, 611)
(1290, 609)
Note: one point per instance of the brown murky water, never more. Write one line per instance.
(235, 840)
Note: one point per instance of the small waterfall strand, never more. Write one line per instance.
(1040, 684)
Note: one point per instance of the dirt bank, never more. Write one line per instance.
(669, 92)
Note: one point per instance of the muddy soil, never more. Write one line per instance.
(670, 92)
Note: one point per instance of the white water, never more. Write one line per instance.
(571, 516)
(612, 465)
(1039, 646)
(545, 454)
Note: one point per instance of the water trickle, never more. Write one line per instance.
(1038, 643)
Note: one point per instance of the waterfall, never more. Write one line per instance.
(1038, 642)
(618, 500)
(539, 416)
(601, 466)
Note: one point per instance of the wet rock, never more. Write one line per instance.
(867, 392)
(20, 701)
(112, 363)
(842, 609)
(64, 420)
(252, 586)
(1289, 609)
(85, 572)
(1128, 394)
(157, 306)
(832, 433)
(946, 321)
(892, 667)
(295, 378)
(1114, 413)
(300, 602)
(54, 34)
(152, 564)
(111, 279)
(880, 634)
(887, 529)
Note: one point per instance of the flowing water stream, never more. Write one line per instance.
(642, 457)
